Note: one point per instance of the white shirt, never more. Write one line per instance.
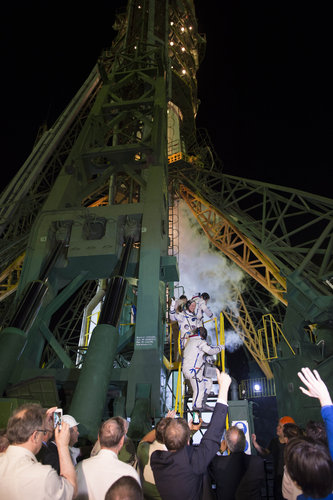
(147, 471)
(22, 476)
(74, 453)
(289, 489)
(96, 474)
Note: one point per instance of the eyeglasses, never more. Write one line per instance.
(44, 431)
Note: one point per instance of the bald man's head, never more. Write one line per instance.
(111, 432)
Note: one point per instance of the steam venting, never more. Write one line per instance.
(205, 269)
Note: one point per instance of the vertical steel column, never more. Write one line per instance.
(90, 394)
(13, 338)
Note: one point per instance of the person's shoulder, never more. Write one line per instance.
(143, 445)
(274, 443)
(45, 470)
(86, 462)
(57, 487)
(163, 457)
(220, 461)
(126, 466)
(127, 469)
(255, 462)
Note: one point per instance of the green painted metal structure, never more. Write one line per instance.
(102, 173)
(119, 151)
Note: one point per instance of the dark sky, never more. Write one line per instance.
(265, 84)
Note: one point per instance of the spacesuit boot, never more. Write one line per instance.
(204, 406)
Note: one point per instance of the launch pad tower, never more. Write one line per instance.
(88, 215)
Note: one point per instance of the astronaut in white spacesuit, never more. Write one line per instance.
(201, 306)
(196, 351)
(186, 318)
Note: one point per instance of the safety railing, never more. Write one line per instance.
(269, 337)
(172, 364)
(187, 158)
(10, 277)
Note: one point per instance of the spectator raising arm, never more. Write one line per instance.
(260, 449)
(224, 381)
(316, 388)
(66, 465)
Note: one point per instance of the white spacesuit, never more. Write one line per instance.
(187, 320)
(201, 307)
(195, 353)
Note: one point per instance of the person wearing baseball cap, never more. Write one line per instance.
(74, 436)
(50, 454)
(286, 420)
(276, 449)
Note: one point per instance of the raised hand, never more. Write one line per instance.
(194, 427)
(62, 435)
(224, 381)
(316, 387)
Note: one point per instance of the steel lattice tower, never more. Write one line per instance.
(88, 214)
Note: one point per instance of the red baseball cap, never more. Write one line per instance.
(286, 420)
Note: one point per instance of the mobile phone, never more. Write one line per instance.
(195, 418)
(57, 418)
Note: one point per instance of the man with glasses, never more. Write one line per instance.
(21, 475)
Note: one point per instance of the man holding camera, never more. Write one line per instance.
(179, 472)
(49, 453)
(21, 475)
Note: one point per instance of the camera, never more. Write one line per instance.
(195, 418)
(57, 418)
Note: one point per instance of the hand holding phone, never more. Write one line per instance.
(57, 418)
(195, 418)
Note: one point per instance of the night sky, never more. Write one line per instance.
(265, 85)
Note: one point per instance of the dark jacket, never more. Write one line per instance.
(49, 456)
(179, 475)
(237, 476)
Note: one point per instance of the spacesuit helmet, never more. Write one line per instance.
(205, 296)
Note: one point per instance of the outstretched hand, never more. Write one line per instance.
(223, 378)
(316, 387)
(224, 381)
(49, 417)
(171, 414)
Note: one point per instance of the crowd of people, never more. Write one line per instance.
(39, 460)
(167, 466)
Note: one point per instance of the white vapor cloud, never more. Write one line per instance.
(203, 269)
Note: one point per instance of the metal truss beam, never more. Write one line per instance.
(227, 238)
(294, 229)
